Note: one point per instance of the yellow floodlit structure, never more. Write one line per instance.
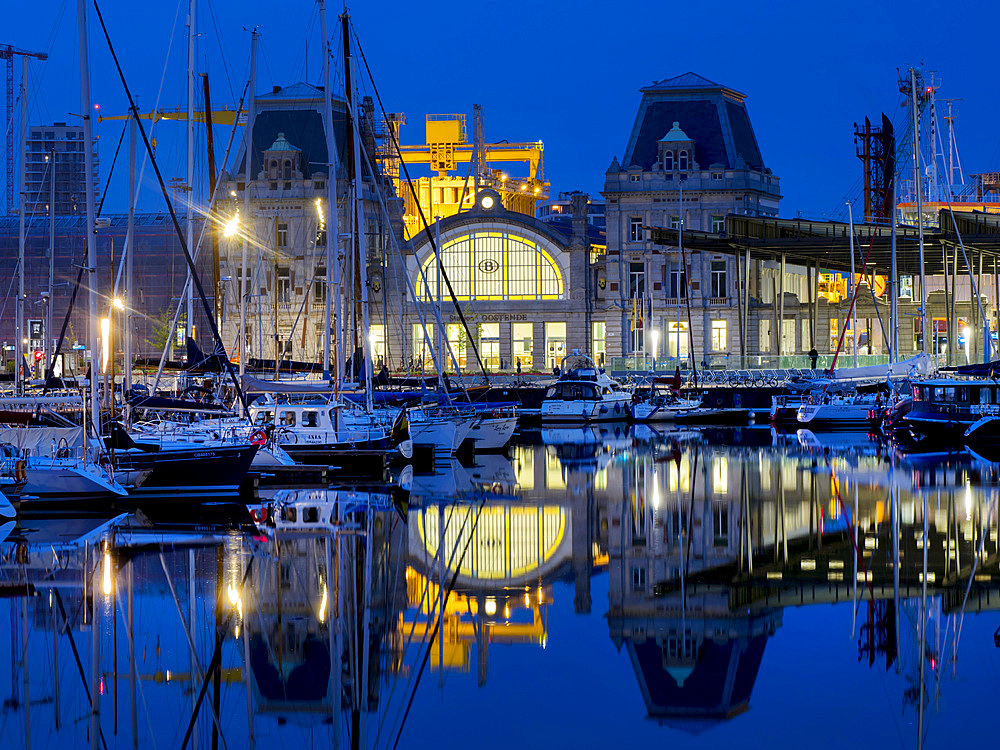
(451, 187)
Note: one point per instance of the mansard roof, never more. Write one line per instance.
(715, 117)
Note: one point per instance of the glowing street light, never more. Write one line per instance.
(655, 334)
(232, 226)
(967, 333)
(119, 305)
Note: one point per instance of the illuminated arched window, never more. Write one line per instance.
(493, 266)
(668, 161)
(682, 161)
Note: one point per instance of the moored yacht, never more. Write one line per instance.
(584, 393)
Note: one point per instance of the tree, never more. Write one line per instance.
(162, 330)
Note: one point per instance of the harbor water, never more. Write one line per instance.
(594, 587)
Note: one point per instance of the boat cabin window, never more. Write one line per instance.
(962, 394)
(938, 394)
(263, 418)
(310, 514)
(310, 418)
(288, 514)
(288, 418)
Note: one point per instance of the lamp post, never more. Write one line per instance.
(655, 334)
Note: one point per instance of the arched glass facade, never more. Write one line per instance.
(493, 266)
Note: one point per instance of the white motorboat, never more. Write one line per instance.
(663, 406)
(584, 393)
(836, 411)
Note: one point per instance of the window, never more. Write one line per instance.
(918, 334)
(675, 222)
(682, 161)
(284, 287)
(288, 169)
(555, 343)
(764, 333)
(807, 342)
(458, 340)
(636, 280)
(787, 336)
(598, 339)
(635, 178)
(677, 345)
(720, 526)
(521, 340)
(906, 287)
(638, 579)
(716, 175)
(719, 286)
(282, 234)
(718, 224)
(720, 475)
(422, 347)
(489, 344)
(677, 286)
(310, 419)
(493, 266)
(668, 161)
(319, 286)
(719, 336)
(635, 229)
(288, 418)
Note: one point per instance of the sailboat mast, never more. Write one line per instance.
(47, 345)
(129, 254)
(332, 214)
(22, 209)
(189, 286)
(920, 212)
(893, 283)
(88, 167)
(247, 161)
(360, 251)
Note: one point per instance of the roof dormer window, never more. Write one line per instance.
(682, 161)
(668, 161)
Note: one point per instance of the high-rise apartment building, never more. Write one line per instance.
(56, 148)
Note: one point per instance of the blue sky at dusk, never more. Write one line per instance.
(564, 73)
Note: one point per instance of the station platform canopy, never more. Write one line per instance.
(827, 243)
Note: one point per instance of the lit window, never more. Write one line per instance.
(635, 178)
(720, 475)
(493, 266)
(718, 335)
(718, 224)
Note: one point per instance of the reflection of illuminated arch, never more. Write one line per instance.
(510, 545)
(493, 265)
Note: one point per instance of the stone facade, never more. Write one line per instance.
(692, 159)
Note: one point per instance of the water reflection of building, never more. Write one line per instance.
(707, 546)
(496, 563)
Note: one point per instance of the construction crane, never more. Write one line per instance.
(7, 53)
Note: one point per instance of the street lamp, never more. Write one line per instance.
(232, 226)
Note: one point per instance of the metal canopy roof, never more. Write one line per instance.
(828, 242)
